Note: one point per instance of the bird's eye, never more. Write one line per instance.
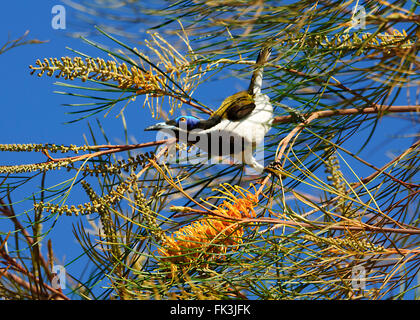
(182, 119)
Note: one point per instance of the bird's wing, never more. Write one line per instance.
(240, 110)
(241, 104)
(235, 107)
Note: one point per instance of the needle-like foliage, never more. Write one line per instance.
(329, 222)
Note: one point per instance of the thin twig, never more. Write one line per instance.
(312, 225)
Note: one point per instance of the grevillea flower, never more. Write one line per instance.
(209, 238)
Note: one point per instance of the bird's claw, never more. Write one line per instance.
(275, 168)
(273, 165)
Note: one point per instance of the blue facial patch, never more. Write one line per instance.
(188, 122)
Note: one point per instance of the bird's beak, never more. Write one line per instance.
(159, 126)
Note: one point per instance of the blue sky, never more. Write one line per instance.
(32, 113)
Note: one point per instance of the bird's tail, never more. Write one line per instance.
(257, 76)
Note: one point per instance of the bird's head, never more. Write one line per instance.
(183, 123)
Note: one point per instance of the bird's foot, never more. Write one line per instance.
(297, 116)
(273, 165)
(275, 168)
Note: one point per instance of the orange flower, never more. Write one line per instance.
(209, 238)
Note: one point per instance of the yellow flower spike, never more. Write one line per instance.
(207, 238)
(397, 33)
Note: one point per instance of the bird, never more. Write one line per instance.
(236, 128)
